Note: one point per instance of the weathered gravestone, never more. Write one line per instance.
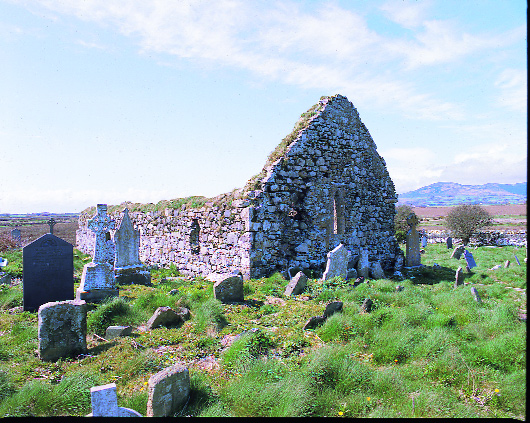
(166, 316)
(469, 259)
(227, 287)
(105, 403)
(48, 271)
(423, 241)
(413, 256)
(16, 236)
(128, 268)
(459, 277)
(377, 271)
(458, 251)
(517, 260)
(168, 391)
(449, 242)
(62, 329)
(337, 264)
(296, 285)
(363, 265)
(474, 292)
(507, 264)
(366, 306)
(97, 281)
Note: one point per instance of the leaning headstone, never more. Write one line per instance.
(293, 271)
(168, 391)
(117, 332)
(459, 277)
(366, 306)
(337, 264)
(332, 308)
(458, 251)
(166, 316)
(377, 271)
(62, 329)
(474, 292)
(314, 322)
(296, 285)
(128, 268)
(469, 259)
(412, 256)
(449, 242)
(104, 401)
(352, 274)
(507, 264)
(517, 260)
(363, 265)
(48, 271)
(97, 280)
(228, 288)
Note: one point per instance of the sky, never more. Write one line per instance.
(106, 101)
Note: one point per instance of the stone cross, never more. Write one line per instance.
(100, 224)
(52, 223)
(413, 257)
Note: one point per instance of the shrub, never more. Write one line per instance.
(465, 220)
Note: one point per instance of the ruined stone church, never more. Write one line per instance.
(324, 184)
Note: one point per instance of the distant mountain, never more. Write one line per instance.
(451, 194)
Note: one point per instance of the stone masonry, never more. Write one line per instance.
(325, 184)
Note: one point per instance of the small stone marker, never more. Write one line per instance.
(165, 316)
(423, 241)
(228, 287)
(105, 403)
(168, 391)
(458, 251)
(497, 266)
(476, 297)
(16, 236)
(363, 265)
(449, 242)
(117, 332)
(5, 278)
(366, 306)
(469, 259)
(398, 264)
(98, 281)
(507, 264)
(62, 329)
(413, 256)
(48, 271)
(127, 265)
(377, 271)
(332, 308)
(459, 277)
(337, 263)
(314, 322)
(517, 260)
(296, 285)
(358, 281)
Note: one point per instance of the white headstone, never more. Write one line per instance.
(337, 264)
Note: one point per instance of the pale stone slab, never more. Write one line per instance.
(104, 401)
(476, 297)
(296, 285)
(117, 331)
(337, 264)
(377, 271)
(168, 391)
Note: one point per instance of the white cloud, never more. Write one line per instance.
(513, 87)
(409, 14)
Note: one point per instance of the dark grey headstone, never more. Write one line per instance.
(332, 308)
(16, 235)
(469, 259)
(314, 322)
(48, 267)
(449, 242)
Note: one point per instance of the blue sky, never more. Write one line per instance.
(105, 101)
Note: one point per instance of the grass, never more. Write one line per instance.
(427, 351)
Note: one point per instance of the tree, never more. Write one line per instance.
(400, 222)
(465, 220)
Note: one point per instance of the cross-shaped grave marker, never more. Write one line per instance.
(100, 224)
(52, 222)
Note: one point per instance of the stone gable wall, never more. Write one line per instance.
(329, 186)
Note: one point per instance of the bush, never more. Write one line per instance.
(400, 221)
(465, 220)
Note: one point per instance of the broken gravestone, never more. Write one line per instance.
(62, 329)
(166, 316)
(474, 292)
(168, 391)
(296, 285)
(228, 287)
(366, 306)
(458, 251)
(104, 401)
(337, 263)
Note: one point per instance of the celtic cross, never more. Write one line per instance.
(52, 223)
(100, 224)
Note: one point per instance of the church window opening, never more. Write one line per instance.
(194, 237)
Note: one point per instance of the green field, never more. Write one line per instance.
(427, 351)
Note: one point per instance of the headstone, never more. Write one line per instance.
(293, 271)
(117, 332)
(105, 403)
(363, 265)
(296, 285)
(337, 264)
(517, 260)
(128, 268)
(476, 297)
(377, 271)
(458, 251)
(449, 242)
(459, 277)
(469, 259)
(62, 329)
(332, 308)
(352, 274)
(228, 288)
(366, 306)
(48, 271)
(413, 256)
(314, 322)
(97, 281)
(16, 236)
(168, 391)
(398, 264)
(165, 316)
(3, 262)
(507, 264)
(423, 241)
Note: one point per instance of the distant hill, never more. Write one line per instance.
(451, 194)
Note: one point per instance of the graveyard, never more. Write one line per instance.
(425, 349)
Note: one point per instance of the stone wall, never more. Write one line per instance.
(327, 185)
